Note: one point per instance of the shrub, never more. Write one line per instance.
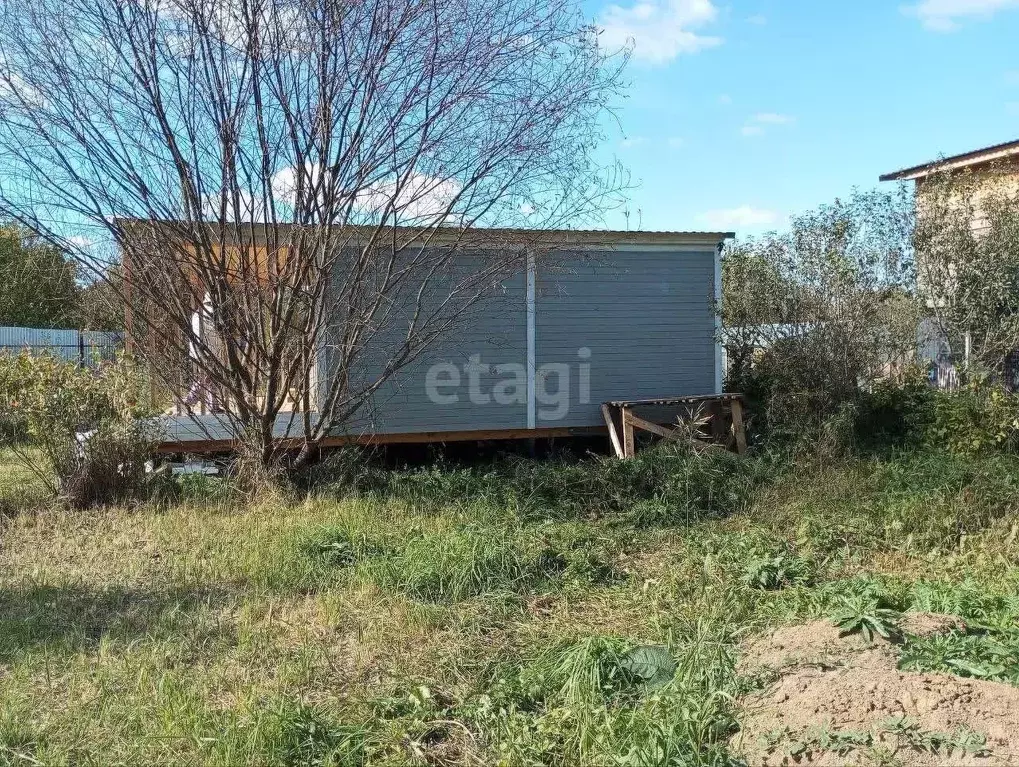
(85, 423)
(897, 414)
(979, 418)
(815, 316)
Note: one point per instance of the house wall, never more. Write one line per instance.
(607, 324)
(554, 337)
(642, 320)
(449, 385)
(981, 184)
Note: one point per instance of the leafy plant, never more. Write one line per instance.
(652, 665)
(981, 655)
(908, 731)
(867, 618)
(777, 571)
(87, 424)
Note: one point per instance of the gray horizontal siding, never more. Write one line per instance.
(491, 329)
(647, 319)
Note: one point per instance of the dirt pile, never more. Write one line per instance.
(842, 701)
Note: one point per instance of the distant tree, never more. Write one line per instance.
(812, 315)
(101, 302)
(968, 264)
(37, 282)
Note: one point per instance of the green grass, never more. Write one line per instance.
(521, 613)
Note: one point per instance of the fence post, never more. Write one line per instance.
(81, 349)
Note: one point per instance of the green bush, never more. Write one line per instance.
(897, 414)
(905, 413)
(86, 424)
(977, 419)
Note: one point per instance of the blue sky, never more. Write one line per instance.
(742, 112)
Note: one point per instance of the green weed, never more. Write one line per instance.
(306, 737)
(982, 655)
(868, 618)
(778, 570)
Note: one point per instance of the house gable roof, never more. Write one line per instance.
(988, 154)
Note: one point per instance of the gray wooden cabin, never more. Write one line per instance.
(602, 316)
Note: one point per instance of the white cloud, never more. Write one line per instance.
(80, 241)
(773, 118)
(758, 19)
(743, 217)
(756, 125)
(659, 30)
(247, 210)
(632, 141)
(1012, 77)
(15, 91)
(725, 99)
(284, 183)
(418, 199)
(527, 208)
(946, 15)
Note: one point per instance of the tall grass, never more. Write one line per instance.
(520, 612)
(589, 700)
(666, 485)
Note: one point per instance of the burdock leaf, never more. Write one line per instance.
(653, 665)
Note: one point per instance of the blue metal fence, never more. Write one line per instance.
(86, 347)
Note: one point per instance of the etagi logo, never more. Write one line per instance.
(444, 383)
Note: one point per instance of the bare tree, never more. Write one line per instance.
(304, 176)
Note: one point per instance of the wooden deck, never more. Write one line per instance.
(202, 434)
(722, 416)
(714, 418)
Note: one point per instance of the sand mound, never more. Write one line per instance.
(842, 701)
(930, 624)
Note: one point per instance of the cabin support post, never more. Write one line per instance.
(610, 422)
(718, 419)
(738, 429)
(628, 441)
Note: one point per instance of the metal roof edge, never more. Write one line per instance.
(493, 236)
(965, 159)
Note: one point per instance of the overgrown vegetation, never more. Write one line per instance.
(79, 430)
(570, 610)
(505, 613)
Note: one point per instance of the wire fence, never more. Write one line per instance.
(86, 347)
